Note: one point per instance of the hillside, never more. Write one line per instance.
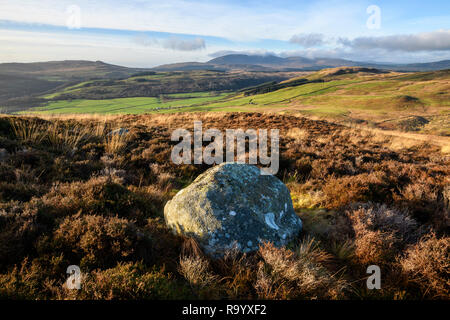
(21, 84)
(355, 95)
(68, 70)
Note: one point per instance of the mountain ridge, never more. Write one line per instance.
(275, 63)
(228, 62)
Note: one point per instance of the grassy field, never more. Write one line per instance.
(128, 105)
(383, 93)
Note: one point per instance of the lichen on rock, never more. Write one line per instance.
(233, 204)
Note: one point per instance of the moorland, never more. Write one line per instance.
(72, 194)
(364, 152)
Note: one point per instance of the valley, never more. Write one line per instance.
(390, 100)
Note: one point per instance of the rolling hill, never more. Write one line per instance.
(68, 70)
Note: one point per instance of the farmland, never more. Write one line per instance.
(388, 100)
(129, 105)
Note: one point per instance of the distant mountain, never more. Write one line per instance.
(236, 59)
(185, 66)
(430, 66)
(67, 70)
(275, 63)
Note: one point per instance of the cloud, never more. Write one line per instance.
(176, 43)
(426, 41)
(312, 53)
(232, 20)
(145, 40)
(308, 40)
(261, 52)
(172, 43)
(49, 46)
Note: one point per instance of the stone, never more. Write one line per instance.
(446, 194)
(3, 154)
(234, 205)
(120, 132)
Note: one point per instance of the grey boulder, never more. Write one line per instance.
(3, 154)
(234, 205)
(119, 132)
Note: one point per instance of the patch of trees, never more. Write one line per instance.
(20, 104)
(143, 74)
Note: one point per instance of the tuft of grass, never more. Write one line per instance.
(300, 273)
(196, 271)
(28, 131)
(297, 134)
(115, 143)
(343, 250)
(64, 137)
(128, 281)
(427, 264)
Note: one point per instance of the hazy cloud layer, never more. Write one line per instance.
(308, 40)
(426, 41)
(260, 52)
(173, 43)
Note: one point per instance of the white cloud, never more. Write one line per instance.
(20, 46)
(173, 43)
(260, 52)
(308, 40)
(176, 43)
(426, 41)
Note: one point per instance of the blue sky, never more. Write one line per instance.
(147, 33)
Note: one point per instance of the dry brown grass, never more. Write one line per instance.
(380, 232)
(427, 264)
(300, 273)
(196, 271)
(66, 138)
(32, 131)
(397, 140)
(297, 134)
(126, 281)
(115, 143)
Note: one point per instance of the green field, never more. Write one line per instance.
(127, 105)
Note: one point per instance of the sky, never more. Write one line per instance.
(147, 33)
